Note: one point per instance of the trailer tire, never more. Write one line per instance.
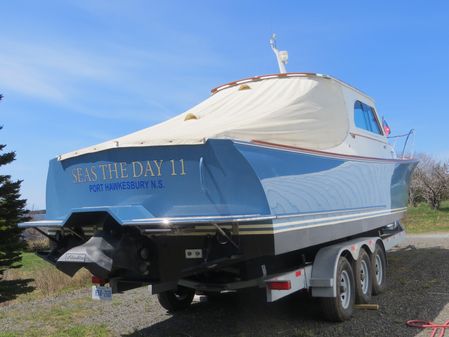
(379, 269)
(176, 300)
(339, 308)
(363, 278)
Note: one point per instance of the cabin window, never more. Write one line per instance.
(365, 118)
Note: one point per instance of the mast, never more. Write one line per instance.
(281, 56)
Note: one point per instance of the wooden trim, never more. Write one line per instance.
(286, 75)
(328, 154)
(261, 77)
(353, 134)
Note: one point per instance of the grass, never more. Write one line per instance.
(59, 319)
(71, 331)
(423, 219)
(62, 318)
(43, 277)
(31, 262)
(37, 279)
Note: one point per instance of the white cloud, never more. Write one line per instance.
(50, 72)
(29, 81)
(109, 81)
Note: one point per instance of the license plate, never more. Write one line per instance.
(101, 293)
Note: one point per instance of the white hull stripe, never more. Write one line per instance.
(297, 225)
(347, 216)
(267, 231)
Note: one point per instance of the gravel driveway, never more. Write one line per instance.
(418, 289)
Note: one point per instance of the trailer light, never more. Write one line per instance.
(145, 253)
(98, 280)
(143, 268)
(279, 285)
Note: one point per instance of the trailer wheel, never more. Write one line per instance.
(175, 300)
(379, 269)
(339, 308)
(363, 278)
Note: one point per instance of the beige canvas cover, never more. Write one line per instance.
(306, 112)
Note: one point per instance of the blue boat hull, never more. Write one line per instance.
(233, 201)
(319, 197)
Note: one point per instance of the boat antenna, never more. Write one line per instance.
(281, 56)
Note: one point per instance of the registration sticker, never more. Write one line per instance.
(101, 293)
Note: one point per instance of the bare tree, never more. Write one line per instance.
(415, 193)
(430, 182)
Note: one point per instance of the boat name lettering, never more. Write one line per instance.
(127, 170)
(153, 184)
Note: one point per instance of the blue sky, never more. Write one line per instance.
(75, 73)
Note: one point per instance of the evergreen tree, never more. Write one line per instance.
(12, 211)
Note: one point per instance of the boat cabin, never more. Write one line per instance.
(303, 110)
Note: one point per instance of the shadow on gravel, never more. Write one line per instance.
(418, 289)
(10, 289)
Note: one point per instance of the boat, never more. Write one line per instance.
(258, 176)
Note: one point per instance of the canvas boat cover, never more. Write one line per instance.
(307, 112)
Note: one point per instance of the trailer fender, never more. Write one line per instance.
(322, 281)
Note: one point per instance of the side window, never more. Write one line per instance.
(373, 120)
(365, 118)
(360, 116)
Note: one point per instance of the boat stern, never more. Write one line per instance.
(153, 213)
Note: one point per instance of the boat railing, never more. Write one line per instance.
(404, 145)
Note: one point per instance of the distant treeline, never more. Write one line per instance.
(430, 182)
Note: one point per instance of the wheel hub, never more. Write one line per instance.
(378, 269)
(345, 289)
(364, 282)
